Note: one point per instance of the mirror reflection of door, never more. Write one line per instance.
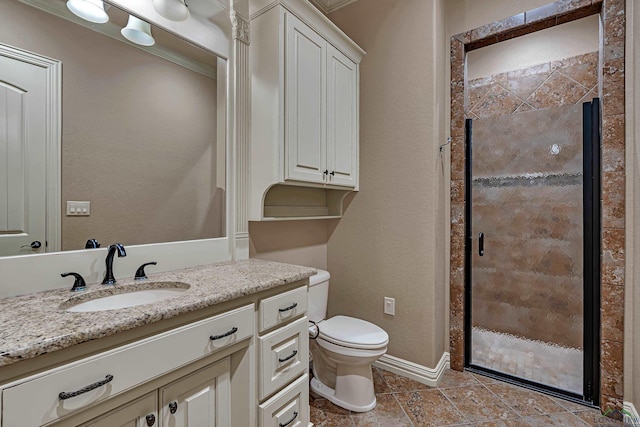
(24, 130)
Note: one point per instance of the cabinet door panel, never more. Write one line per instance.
(133, 414)
(305, 122)
(342, 119)
(201, 399)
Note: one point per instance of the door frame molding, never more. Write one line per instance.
(53, 139)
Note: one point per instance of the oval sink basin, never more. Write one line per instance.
(127, 299)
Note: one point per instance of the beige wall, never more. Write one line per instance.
(392, 239)
(295, 242)
(632, 288)
(138, 135)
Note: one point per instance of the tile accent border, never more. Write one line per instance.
(612, 173)
(420, 373)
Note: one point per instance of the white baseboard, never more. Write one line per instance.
(631, 416)
(420, 373)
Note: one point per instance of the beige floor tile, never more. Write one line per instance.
(386, 413)
(429, 408)
(379, 385)
(453, 378)
(562, 419)
(326, 414)
(516, 422)
(478, 404)
(399, 383)
(525, 402)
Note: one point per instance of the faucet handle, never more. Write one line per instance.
(140, 274)
(92, 244)
(79, 284)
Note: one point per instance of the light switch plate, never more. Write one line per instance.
(75, 208)
(390, 306)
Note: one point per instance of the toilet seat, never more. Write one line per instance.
(353, 333)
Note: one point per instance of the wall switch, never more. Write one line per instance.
(78, 208)
(390, 306)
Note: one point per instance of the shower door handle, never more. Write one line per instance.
(481, 244)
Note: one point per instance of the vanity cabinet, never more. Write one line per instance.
(283, 341)
(139, 413)
(304, 113)
(202, 399)
(60, 392)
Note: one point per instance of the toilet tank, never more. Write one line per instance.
(318, 295)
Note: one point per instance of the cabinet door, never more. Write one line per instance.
(139, 413)
(342, 119)
(305, 109)
(201, 399)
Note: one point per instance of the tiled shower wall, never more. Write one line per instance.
(527, 201)
(529, 284)
(612, 13)
(552, 84)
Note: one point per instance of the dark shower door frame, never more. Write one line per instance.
(591, 274)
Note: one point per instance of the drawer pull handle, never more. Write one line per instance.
(226, 334)
(151, 420)
(295, 415)
(69, 394)
(291, 356)
(291, 307)
(173, 407)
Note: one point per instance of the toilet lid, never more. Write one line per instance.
(353, 333)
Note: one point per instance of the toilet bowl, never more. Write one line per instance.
(343, 349)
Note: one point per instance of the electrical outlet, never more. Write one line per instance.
(390, 306)
(78, 208)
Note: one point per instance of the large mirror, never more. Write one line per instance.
(141, 134)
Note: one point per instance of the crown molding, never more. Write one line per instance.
(328, 6)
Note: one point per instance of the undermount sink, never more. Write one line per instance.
(98, 301)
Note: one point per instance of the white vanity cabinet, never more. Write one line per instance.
(64, 391)
(304, 113)
(139, 413)
(283, 341)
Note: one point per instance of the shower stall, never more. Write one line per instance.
(532, 249)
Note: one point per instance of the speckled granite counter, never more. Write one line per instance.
(35, 324)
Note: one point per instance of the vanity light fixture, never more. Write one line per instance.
(138, 31)
(173, 10)
(89, 10)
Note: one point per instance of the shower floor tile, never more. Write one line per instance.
(461, 399)
(544, 363)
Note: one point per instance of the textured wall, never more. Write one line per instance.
(296, 242)
(137, 135)
(391, 240)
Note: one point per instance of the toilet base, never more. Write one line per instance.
(330, 394)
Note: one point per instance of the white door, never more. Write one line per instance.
(305, 122)
(25, 138)
(342, 119)
(139, 413)
(201, 399)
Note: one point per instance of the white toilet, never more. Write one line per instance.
(343, 352)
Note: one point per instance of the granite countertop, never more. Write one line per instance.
(35, 324)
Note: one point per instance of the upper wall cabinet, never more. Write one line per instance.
(304, 121)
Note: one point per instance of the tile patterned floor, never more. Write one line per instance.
(461, 399)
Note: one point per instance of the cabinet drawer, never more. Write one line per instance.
(284, 354)
(282, 308)
(36, 401)
(289, 408)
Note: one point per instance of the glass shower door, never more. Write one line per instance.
(527, 246)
